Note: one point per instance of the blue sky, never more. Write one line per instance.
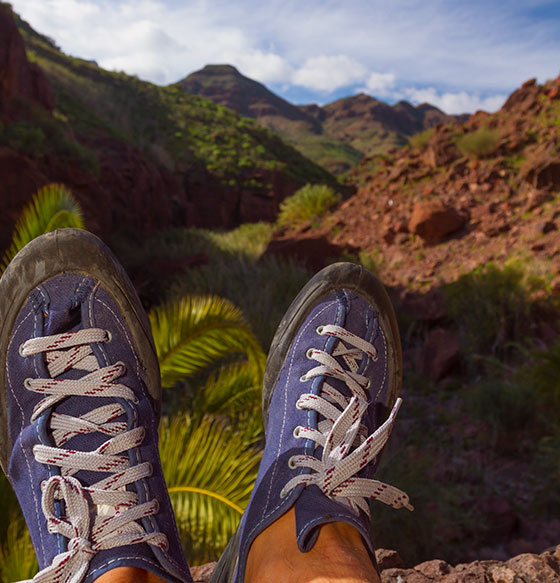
(461, 55)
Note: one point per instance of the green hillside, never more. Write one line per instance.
(185, 133)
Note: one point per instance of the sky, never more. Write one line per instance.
(460, 55)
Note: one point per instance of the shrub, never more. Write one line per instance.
(493, 308)
(261, 289)
(479, 143)
(543, 375)
(25, 137)
(505, 407)
(421, 139)
(309, 202)
(250, 239)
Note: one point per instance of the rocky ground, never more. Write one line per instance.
(525, 568)
(427, 214)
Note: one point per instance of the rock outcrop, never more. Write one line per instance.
(19, 79)
(525, 568)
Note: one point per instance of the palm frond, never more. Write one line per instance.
(233, 389)
(196, 331)
(210, 468)
(53, 207)
(8, 506)
(17, 557)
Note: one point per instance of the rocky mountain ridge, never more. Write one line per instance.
(133, 153)
(432, 211)
(336, 135)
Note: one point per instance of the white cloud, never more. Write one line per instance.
(329, 73)
(460, 102)
(480, 47)
(266, 67)
(380, 84)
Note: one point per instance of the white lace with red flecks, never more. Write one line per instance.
(103, 515)
(346, 446)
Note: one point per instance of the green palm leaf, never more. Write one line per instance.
(197, 331)
(233, 389)
(53, 207)
(17, 557)
(210, 468)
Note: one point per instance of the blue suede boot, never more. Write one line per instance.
(79, 410)
(330, 399)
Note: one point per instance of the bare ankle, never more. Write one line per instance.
(128, 575)
(339, 553)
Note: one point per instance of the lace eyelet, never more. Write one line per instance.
(151, 470)
(291, 463)
(319, 330)
(109, 336)
(303, 379)
(298, 406)
(368, 384)
(283, 493)
(27, 383)
(296, 431)
(309, 353)
(157, 507)
(122, 365)
(20, 350)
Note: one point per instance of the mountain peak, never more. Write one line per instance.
(220, 69)
(226, 86)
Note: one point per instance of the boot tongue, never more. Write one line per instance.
(67, 310)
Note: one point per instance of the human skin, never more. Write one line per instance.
(339, 555)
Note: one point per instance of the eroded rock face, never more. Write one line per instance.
(542, 169)
(432, 220)
(121, 190)
(18, 77)
(440, 354)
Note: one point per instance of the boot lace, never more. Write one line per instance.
(114, 521)
(347, 448)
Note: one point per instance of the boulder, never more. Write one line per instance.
(388, 559)
(432, 220)
(202, 573)
(315, 252)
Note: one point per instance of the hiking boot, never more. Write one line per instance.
(79, 410)
(330, 399)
